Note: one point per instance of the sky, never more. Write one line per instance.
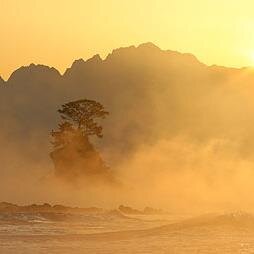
(57, 32)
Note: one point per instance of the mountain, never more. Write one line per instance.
(32, 91)
(151, 94)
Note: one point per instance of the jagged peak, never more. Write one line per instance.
(96, 58)
(39, 67)
(79, 63)
(118, 51)
(148, 45)
(150, 48)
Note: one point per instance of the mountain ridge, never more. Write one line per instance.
(143, 46)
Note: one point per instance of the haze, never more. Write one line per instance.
(126, 127)
(194, 121)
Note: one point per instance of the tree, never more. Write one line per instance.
(78, 119)
(73, 154)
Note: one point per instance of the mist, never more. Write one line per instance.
(179, 134)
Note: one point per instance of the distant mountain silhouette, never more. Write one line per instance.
(150, 94)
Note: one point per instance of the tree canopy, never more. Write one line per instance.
(79, 119)
(82, 113)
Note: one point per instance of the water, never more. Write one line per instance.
(109, 233)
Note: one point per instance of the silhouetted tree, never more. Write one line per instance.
(79, 117)
(73, 154)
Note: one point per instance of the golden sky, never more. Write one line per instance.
(55, 32)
